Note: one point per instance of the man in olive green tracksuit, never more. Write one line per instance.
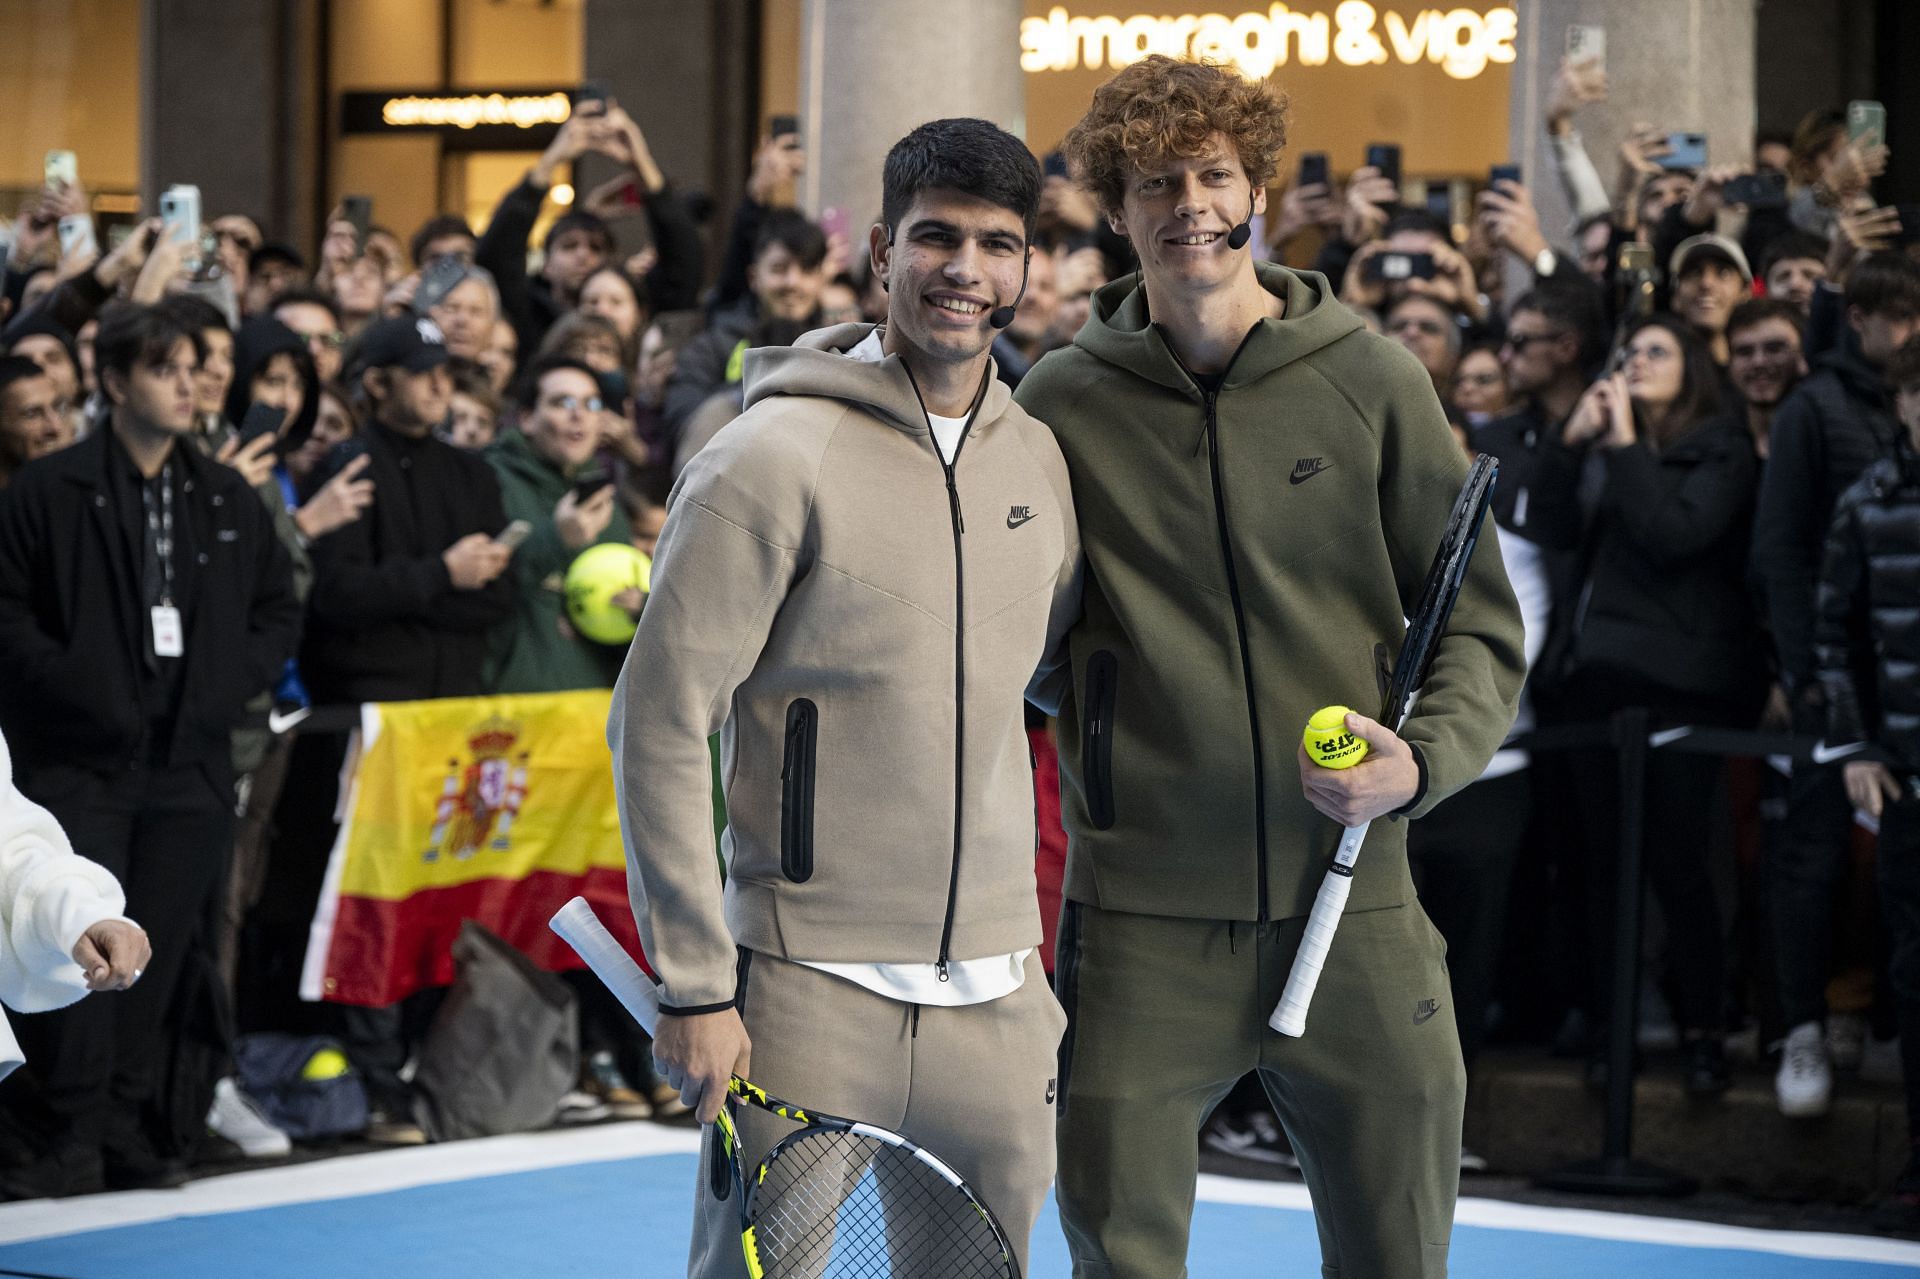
(1261, 485)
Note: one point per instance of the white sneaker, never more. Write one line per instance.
(577, 1107)
(235, 1117)
(1846, 1040)
(1804, 1084)
(1471, 1162)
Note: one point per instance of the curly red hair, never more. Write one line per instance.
(1161, 107)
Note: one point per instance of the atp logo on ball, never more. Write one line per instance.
(1329, 742)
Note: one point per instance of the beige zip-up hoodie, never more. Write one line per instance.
(860, 622)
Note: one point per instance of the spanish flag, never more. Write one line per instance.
(496, 809)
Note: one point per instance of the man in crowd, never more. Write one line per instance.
(1834, 425)
(444, 235)
(1030, 336)
(1766, 360)
(313, 315)
(272, 269)
(1710, 277)
(32, 423)
(815, 601)
(1221, 611)
(122, 699)
(1793, 266)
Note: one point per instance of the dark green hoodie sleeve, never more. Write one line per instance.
(1468, 703)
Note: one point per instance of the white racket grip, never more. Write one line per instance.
(581, 929)
(1290, 1018)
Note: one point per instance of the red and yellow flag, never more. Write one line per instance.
(496, 809)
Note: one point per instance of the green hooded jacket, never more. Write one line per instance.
(1246, 552)
(529, 652)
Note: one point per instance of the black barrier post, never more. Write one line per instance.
(1616, 1171)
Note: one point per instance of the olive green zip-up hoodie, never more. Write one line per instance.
(859, 622)
(1245, 554)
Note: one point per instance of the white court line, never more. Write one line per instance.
(344, 1178)
(1498, 1214)
(379, 1172)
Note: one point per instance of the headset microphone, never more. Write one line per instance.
(1002, 316)
(1238, 237)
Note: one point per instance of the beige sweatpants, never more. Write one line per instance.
(974, 1085)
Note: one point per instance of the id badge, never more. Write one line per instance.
(168, 638)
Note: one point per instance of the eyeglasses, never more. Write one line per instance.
(570, 403)
(332, 341)
(1519, 342)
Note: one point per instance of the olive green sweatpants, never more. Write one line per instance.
(1166, 1015)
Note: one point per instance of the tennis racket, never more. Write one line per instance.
(838, 1199)
(1428, 621)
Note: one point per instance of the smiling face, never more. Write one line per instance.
(1765, 362)
(1177, 214)
(1707, 293)
(953, 260)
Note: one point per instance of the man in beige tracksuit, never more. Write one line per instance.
(856, 584)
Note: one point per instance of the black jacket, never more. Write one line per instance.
(1836, 424)
(71, 627)
(706, 363)
(1867, 630)
(1663, 595)
(386, 623)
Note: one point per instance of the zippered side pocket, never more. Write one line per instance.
(796, 791)
(1103, 679)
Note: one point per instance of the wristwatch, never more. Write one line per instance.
(1544, 262)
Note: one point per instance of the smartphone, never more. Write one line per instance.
(1587, 44)
(438, 278)
(261, 419)
(513, 534)
(587, 483)
(614, 390)
(180, 214)
(1440, 201)
(1314, 170)
(1502, 173)
(1866, 123)
(1685, 151)
(76, 235)
(1385, 156)
(1757, 190)
(358, 209)
(1393, 268)
(62, 169)
(1636, 259)
(591, 92)
(835, 220)
(338, 458)
(783, 126)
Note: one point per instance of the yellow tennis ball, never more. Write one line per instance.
(1328, 741)
(328, 1063)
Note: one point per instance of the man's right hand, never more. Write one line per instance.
(580, 523)
(700, 1054)
(474, 561)
(1870, 786)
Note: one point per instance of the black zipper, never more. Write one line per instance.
(796, 792)
(1097, 748)
(1239, 608)
(959, 654)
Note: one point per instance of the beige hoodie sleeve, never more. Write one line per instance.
(727, 556)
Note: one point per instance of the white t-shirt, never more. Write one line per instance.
(969, 981)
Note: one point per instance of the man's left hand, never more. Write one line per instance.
(113, 953)
(1382, 782)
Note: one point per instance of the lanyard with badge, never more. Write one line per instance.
(169, 638)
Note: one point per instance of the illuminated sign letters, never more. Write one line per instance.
(474, 109)
(1461, 41)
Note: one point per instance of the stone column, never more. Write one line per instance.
(870, 70)
(1684, 65)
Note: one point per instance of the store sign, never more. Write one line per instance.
(1462, 42)
(522, 119)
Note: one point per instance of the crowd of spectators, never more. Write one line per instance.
(239, 479)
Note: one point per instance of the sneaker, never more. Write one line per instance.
(1706, 1069)
(1804, 1084)
(666, 1101)
(392, 1128)
(1846, 1040)
(61, 1172)
(1470, 1162)
(235, 1117)
(1256, 1136)
(600, 1077)
(580, 1107)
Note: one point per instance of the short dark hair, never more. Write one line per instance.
(975, 157)
(196, 312)
(133, 334)
(794, 232)
(275, 251)
(17, 368)
(1903, 370)
(1790, 246)
(305, 297)
(438, 227)
(473, 381)
(1885, 284)
(578, 220)
(1759, 310)
(1573, 309)
(545, 364)
(1417, 220)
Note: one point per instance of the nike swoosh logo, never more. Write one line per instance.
(278, 723)
(1825, 754)
(1424, 1013)
(1301, 474)
(1016, 523)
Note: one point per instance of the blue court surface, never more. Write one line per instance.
(616, 1201)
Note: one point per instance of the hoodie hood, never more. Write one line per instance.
(1861, 379)
(818, 365)
(258, 341)
(1120, 330)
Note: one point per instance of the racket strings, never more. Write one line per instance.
(839, 1205)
